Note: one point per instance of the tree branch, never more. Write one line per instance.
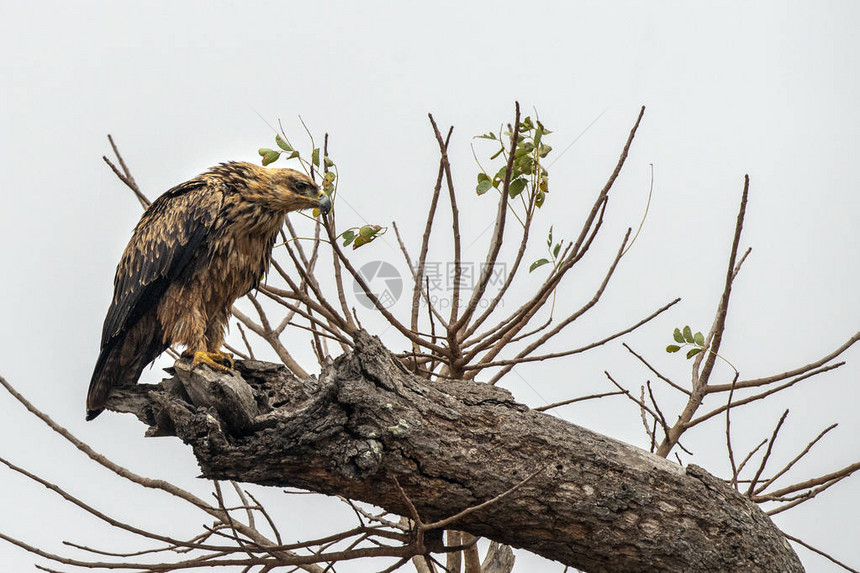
(367, 421)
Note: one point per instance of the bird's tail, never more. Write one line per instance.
(107, 369)
(118, 366)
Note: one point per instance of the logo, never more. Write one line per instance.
(382, 280)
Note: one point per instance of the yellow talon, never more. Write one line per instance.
(216, 360)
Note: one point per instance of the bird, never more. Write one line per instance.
(196, 249)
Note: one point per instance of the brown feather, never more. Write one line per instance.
(196, 249)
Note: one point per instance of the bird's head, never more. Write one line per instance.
(286, 190)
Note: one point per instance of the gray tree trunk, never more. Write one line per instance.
(594, 503)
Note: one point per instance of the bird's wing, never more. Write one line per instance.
(168, 235)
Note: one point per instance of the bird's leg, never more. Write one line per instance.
(211, 359)
(216, 360)
(222, 357)
(214, 338)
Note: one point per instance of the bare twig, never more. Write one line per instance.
(656, 373)
(766, 456)
(731, 452)
(820, 552)
(797, 458)
(575, 400)
(125, 176)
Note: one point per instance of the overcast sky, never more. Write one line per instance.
(764, 88)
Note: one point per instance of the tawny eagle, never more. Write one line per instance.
(196, 249)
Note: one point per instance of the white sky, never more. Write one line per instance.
(764, 88)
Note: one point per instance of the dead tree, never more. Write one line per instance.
(415, 434)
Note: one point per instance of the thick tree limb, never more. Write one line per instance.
(367, 427)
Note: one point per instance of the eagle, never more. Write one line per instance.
(196, 249)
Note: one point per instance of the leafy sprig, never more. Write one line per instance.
(552, 250)
(319, 163)
(288, 152)
(358, 236)
(686, 337)
(528, 178)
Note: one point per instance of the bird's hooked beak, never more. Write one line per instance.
(324, 204)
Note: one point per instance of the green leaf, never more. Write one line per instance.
(699, 339)
(549, 238)
(484, 185)
(555, 250)
(524, 164)
(538, 134)
(500, 174)
(688, 334)
(541, 196)
(538, 263)
(315, 157)
(368, 231)
(517, 186)
(271, 157)
(293, 155)
(544, 150)
(488, 135)
(264, 151)
(359, 241)
(282, 143)
(348, 236)
(673, 348)
(327, 161)
(678, 336)
(693, 352)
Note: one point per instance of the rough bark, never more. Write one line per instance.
(594, 503)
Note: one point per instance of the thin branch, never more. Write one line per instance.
(135, 478)
(797, 458)
(443, 523)
(392, 320)
(455, 221)
(602, 341)
(245, 340)
(766, 456)
(761, 395)
(106, 518)
(820, 552)
(425, 245)
(656, 373)
(749, 456)
(662, 418)
(715, 337)
(731, 452)
(267, 334)
(574, 400)
(796, 372)
(514, 323)
(126, 176)
(627, 393)
(826, 481)
(497, 237)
